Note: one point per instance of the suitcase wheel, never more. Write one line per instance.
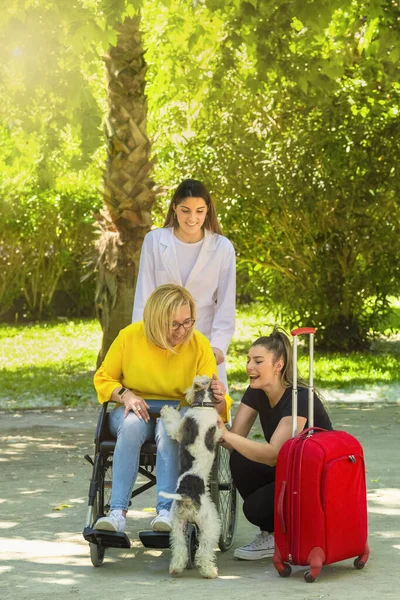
(358, 563)
(286, 571)
(308, 577)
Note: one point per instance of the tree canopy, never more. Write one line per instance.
(294, 126)
(288, 111)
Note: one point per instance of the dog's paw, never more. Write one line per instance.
(172, 420)
(209, 573)
(167, 410)
(174, 571)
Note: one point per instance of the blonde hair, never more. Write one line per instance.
(160, 310)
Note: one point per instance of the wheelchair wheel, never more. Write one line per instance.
(102, 502)
(192, 543)
(224, 495)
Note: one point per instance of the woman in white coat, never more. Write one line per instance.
(191, 251)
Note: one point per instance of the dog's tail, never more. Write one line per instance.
(178, 497)
(172, 496)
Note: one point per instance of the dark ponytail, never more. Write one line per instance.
(279, 344)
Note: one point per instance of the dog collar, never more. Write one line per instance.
(202, 405)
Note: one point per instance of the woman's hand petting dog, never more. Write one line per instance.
(218, 391)
(222, 440)
(217, 388)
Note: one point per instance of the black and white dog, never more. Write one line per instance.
(197, 434)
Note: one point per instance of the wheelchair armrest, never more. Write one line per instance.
(156, 405)
(102, 430)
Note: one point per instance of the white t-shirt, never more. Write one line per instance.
(187, 255)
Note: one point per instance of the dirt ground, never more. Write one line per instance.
(43, 496)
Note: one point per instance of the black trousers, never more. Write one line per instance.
(256, 484)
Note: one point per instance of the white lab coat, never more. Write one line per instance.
(212, 283)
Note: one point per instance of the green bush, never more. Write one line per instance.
(46, 238)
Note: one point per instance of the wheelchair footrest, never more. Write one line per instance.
(154, 539)
(106, 539)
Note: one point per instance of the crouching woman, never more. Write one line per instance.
(269, 396)
(156, 358)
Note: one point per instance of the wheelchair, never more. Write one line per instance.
(221, 487)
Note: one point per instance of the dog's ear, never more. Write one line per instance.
(189, 395)
(201, 382)
(197, 385)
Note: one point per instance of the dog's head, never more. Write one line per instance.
(200, 392)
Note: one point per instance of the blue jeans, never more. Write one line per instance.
(131, 433)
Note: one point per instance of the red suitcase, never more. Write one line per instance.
(320, 493)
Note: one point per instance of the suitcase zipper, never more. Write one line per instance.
(295, 500)
(289, 495)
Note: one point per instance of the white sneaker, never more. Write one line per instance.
(163, 521)
(114, 522)
(262, 547)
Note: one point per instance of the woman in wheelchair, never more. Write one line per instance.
(156, 358)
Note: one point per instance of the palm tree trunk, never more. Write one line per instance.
(128, 194)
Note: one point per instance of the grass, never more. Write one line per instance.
(52, 364)
(48, 364)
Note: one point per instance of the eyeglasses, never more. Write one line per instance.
(188, 324)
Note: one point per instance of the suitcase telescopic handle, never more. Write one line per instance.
(295, 333)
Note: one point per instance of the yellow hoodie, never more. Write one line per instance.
(151, 372)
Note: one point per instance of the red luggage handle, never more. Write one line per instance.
(302, 330)
(295, 333)
(307, 431)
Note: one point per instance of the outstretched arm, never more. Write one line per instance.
(262, 452)
(242, 423)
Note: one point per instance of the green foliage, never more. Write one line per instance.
(47, 228)
(326, 224)
(289, 112)
(293, 124)
(45, 239)
(51, 100)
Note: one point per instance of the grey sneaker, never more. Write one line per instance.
(114, 522)
(163, 521)
(263, 546)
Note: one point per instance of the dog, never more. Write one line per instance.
(197, 433)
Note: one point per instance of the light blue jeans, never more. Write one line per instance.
(131, 433)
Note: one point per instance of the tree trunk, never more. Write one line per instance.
(128, 194)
